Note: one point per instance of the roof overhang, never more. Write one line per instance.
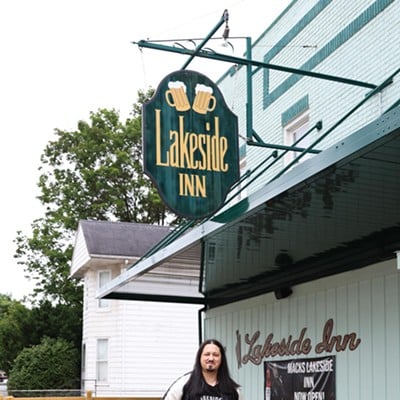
(171, 275)
(334, 212)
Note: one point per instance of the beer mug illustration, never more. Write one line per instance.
(176, 96)
(204, 100)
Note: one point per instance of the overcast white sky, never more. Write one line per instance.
(62, 59)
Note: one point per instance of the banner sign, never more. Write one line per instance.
(190, 144)
(300, 379)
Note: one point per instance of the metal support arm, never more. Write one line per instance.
(244, 61)
(199, 51)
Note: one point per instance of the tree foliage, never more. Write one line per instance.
(22, 327)
(46, 257)
(96, 172)
(15, 325)
(56, 321)
(52, 364)
(93, 172)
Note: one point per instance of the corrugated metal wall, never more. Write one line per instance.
(365, 302)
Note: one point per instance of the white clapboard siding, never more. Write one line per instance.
(150, 344)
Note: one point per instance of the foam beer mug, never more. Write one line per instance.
(204, 100)
(176, 96)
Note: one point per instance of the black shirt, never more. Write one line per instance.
(211, 393)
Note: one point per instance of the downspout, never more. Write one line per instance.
(200, 323)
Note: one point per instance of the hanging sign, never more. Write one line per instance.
(190, 144)
(300, 379)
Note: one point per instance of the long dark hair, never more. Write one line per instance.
(196, 384)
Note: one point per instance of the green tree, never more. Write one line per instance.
(46, 256)
(52, 364)
(56, 321)
(93, 172)
(21, 327)
(15, 325)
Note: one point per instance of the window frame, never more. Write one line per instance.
(102, 360)
(294, 129)
(103, 304)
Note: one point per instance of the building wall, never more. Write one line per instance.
(349, 39)
(150, 344)
(356, 40)
(365, 302)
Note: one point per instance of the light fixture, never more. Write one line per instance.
(283, 292)
(398, 259)
(225, 35)
(283, 260)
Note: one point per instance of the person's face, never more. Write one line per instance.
(210, 359)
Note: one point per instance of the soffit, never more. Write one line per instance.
(334, 212)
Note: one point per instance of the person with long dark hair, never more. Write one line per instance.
(210, 378)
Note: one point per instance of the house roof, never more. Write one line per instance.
(104, 242)
(125, 239)
(334, 212)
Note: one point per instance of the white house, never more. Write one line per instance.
(300, 278)
(130, 348)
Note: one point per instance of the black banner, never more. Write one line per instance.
(300, 379)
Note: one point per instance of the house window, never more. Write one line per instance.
(102, 360)
(211, 251)
(293, 132)
(103, 278)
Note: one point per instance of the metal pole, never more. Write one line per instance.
(249, 110)
(208, 37)
(244, 61)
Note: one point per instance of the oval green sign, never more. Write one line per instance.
(190, 144)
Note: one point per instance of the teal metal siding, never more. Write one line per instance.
(342, 37)
(295, 110)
